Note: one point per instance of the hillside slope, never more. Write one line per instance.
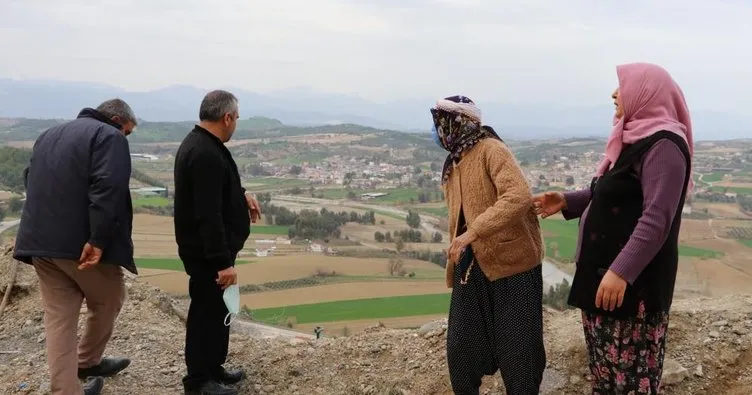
(709, 351)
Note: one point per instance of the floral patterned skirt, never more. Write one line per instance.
(626, 355)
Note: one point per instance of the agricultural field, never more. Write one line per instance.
(359, 309)
(355, 292)
(561, 235)
(343, 293)
(436, 209)
(720, 210)
(151, 201)
(560, 238)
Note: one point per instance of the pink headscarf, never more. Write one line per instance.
(652, 101)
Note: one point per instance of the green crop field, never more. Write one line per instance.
(263, 184)
(737, 190)
(565, 233)
(361, 309)
(441, 212)
(166, 263)
(694, 252)
(153, 201)
(270, 229)
(712, 177)
(746, 242)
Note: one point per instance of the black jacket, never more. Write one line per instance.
(77, 191)
(615, 208)
(211, 218)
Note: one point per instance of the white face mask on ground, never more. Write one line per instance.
(231, 297)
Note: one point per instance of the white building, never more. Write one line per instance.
(317, 248)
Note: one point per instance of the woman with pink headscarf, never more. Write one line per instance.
(627, 256)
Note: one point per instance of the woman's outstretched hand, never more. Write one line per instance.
(549, 203)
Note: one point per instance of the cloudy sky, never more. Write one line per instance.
(532, 51)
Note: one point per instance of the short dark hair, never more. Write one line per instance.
(216, 104)
(118, 107)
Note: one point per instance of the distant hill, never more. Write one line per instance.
(305, 107)
(25, 129)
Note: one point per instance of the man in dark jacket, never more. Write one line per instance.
(212, 223)
(76, 231)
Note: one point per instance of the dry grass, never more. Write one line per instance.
(21, 144)
(279, 268)
(732, 184)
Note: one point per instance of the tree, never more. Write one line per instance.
(554, 249)
(257, 170)
(15, 204)
(264, 198)
(437, 237)
(13, 161)
(379, 237)
(569, 181)
(295, 170)
(557, 296)
(413, 219)
(348, 179)
(399, 245)
(396, 266)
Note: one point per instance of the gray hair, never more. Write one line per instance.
(118, 107)
(216, 104)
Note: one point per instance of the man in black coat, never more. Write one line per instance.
(212, 222)
(75, 230)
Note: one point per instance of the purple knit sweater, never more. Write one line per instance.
(662, 173)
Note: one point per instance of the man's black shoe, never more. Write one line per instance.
(212, 388)
(93, 386)
(108, 367)
(230, 377)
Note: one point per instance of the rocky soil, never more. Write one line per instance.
(709, 351)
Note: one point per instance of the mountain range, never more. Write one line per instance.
(305, 107)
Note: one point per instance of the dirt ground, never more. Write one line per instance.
(337, 292)
(5, 195)
(336, 328)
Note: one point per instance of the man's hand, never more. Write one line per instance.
(90, 256)
(227, 277)
(610, 293)
(459, 244)
(253, 207)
